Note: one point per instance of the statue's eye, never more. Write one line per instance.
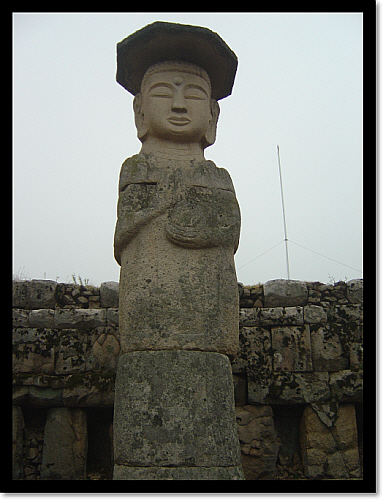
(161, 92)
(194, 93)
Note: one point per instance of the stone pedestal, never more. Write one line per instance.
(174, 417)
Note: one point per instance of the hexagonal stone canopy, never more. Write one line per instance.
(162, 41)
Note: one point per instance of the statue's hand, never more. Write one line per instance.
(205, 218)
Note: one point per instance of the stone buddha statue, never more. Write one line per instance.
(178, 220)
(177, 230)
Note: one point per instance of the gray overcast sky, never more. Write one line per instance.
(298, 85)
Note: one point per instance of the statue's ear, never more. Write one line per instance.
(211, 132)
(139, 117)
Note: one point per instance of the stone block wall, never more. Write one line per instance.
(298, 378)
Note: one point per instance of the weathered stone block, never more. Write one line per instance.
(328, 350)
(347, 386)
(109, 291)
(327, 412)
(34, 350)
(175, 408)
(281, 316)
(42, 318)
(285, 293)
(355, 291)
(33, 358)
(68, 300)
(270, 316)
(258, 440)
(356, 356)
(82, 300)
(345, 430)
(112, 317)
(288, 388)
(88, 390)
(249, 317)
(20, 318)
(39, 396)
(258, 387)
(330, 452)
(244, 416)
(351, 314)
(254, 351)
(293, 316)
(349, 333)
(292, 349)
(21, 294)
(34, 335)
(239, 363)
(65, 444)
(42, 294)
(84, 319)
(71, 354)
(314, 314)
(76, 390)
(256, 291)
(104, 354)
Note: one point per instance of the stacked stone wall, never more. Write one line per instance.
(298, 378)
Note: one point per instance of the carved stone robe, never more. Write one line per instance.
(176, 234)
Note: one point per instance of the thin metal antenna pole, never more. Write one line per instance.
(284, 216)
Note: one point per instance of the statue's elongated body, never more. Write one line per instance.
(178, 224)
(177, 230)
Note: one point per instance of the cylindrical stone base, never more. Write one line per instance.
(174, 417)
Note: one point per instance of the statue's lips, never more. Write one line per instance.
(179, 120)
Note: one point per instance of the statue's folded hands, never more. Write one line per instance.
(205, 218)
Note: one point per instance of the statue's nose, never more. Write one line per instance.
(179, 104)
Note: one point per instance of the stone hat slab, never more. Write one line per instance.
(162, 41)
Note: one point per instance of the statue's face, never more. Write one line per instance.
(176, 106)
